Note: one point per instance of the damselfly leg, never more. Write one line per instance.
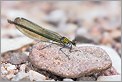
(64, 53)
(47, 45)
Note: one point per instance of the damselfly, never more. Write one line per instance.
(35, 31)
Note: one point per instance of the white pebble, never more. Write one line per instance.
(67, 79)
(11, 67)
(10, 76)
(35, 76)
(3, 71)
(116, 60)
(22, 67)
(56, 16)
(19, 76)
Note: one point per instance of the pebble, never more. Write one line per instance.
(109, 78)
(15, 13)
(82, 36)
(56, 16)
(115, 58)
(106, 39)
(67, 79)
(95, 31)
(3, 70)
(9, 44)
(18, 58)
(10, 76)
(10, 33)
(64, 30)
(115, 34)
(11, 67)
(35, 76)
(19, 76)
(81, 31)
(82, 61)
(23, 67)
(8, 67)
(50, 80)
(8, 71)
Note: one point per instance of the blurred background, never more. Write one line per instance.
(94, 22)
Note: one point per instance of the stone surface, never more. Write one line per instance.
(82, 61)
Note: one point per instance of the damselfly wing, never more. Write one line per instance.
(35, 31)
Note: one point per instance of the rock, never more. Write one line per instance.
(10, 33)
(50, 80)
(47, 7)
(84, 39)
(8, 71)
(95, 31)
(114, 56)
(106, 39)
(67, 79)
(9, 44)
(3, 71)
(10, 76)
(19, 76)
(82, 31)
(55, 17)
(35, 76)
(11, 67)
(82, 36)
(109, 78)
(23, 67)
(8, 67)
(18, 58)
(67, 30)
(115, 34)
(15, 13)
(82, 61)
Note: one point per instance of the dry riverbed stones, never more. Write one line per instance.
(84, 60)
